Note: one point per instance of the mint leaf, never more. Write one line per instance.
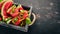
(1, 0)
(28, 21)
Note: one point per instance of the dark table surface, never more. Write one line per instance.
(48, 17)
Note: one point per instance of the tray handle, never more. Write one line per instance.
(34, 18)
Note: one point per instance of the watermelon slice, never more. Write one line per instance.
(13, 11)
(4, 9)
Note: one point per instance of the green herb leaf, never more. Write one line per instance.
(14, 20)
(1, 0)
(8, 20)
(28, 21)
(13, 8)
(22, 11)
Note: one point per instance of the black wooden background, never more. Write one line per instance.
(48, 17)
